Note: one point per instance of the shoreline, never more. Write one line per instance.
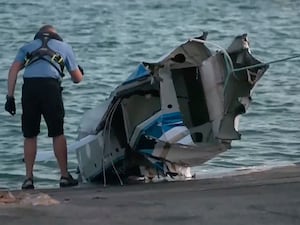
(262, 197)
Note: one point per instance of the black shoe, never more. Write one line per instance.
(27, 184)
(68, 181)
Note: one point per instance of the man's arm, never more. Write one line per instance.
(75, 71)
(76, 75)
(10, 105)
(12, 77)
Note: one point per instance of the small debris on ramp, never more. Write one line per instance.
(22, 198)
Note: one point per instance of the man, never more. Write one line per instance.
(44, 60)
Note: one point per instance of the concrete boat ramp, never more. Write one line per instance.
(265, 197)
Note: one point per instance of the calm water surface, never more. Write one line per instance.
(111, 37)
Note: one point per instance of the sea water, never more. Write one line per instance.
(110, 38)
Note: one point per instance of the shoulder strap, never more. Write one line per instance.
(50, 35)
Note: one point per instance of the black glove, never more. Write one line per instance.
(81, 70)
(10, 105)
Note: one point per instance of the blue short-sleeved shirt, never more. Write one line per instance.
(42, 68)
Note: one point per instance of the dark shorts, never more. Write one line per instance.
(42, 97)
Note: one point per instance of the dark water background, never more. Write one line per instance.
(111, 37)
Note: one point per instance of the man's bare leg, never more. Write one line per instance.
(60, 151)
(30, 145)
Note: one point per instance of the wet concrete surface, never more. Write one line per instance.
(265, 197)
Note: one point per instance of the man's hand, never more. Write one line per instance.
(81, 69)
(10, 105)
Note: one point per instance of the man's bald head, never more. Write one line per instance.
(48, 31)
(47, 28)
